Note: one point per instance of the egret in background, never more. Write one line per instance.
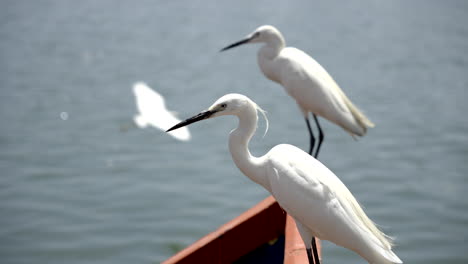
(307, 82)
(153, 111)
(319, 202)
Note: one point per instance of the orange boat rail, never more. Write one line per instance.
(263, 223)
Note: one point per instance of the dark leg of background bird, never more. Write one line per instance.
(311, 134)
(313, 258)
(309, 255)
(321, 136)
(315, 251)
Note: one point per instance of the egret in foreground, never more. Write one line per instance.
(319, 202)
(307, 82)
(153, 111)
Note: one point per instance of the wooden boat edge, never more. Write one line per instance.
(228, 243)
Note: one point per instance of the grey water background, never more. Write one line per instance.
(80, 184)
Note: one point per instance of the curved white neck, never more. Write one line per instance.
(273, 47)
(265, 56)
(239, 139)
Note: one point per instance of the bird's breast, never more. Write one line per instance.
(269, 68)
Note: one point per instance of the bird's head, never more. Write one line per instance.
(229, 104)
(263, 34)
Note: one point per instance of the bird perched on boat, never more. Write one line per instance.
(320, 203)
(305, 80)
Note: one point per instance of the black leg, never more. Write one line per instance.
(321, 136)
(309, 256)
(314, 249)
(311, 134)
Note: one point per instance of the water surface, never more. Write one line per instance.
(80, 184)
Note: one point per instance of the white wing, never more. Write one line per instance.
(315, 90)
(316, 197)
(153, 112)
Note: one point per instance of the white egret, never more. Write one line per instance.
(319, 202)
(153, 111)
(307, 82)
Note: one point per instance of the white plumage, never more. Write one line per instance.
(306, 81)
(307, 190)
(314, 89)
(153, 112)
(332, 213)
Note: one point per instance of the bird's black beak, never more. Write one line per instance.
(238, 43)
(193, 119)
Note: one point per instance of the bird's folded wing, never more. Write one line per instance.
(313, 194)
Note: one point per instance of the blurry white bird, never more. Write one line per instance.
(307, 190)
(153, 111)
(307, 82)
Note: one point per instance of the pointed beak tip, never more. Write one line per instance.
(238, 43)
(225, 48)
(193, 119)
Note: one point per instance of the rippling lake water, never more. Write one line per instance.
(81, 184)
